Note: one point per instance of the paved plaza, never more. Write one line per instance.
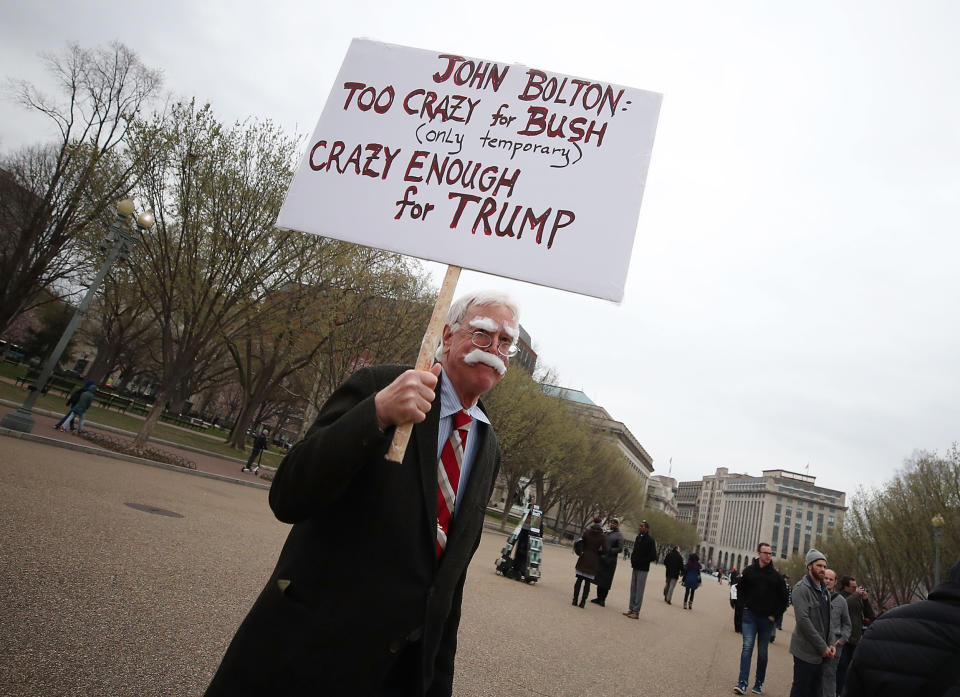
(122, 579)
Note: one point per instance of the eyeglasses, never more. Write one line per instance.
(505, 347)
(765, 552)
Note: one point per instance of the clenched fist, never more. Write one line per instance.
(408, 398)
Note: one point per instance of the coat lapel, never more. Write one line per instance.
(424, 439)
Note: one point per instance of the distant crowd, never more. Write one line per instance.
(839, 645)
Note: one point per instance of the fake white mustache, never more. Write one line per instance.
(481, 356)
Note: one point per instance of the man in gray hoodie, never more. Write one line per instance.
(809, 644)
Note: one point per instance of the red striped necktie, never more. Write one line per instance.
(448, 475)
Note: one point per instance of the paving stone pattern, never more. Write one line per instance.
(101, 598)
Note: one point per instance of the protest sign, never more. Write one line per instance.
(494, 167)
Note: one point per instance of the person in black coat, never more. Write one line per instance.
(320, 627)
(594, 548)
(912, 650)
(259, 445)
(644, 552)
(608, 562)
(673, 563)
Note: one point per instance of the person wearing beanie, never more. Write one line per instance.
(913, 649)
(809, 644)
(763, 595)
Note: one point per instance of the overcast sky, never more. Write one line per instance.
(793, 290)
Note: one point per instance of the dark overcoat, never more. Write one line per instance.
(594, 545)
(608, 561)
(321, 628)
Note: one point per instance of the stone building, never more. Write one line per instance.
(735, 512)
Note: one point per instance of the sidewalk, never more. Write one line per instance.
(209, 465)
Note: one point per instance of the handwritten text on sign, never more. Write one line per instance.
(499, 168)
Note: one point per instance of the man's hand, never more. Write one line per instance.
(830, 652)
(407, 399)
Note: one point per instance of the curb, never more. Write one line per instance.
(121, 432)
(93, 450)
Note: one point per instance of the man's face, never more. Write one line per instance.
(644, 529)
(851, 586)
(830, 577)
(473, 370)
(764, 555)
(818, 570)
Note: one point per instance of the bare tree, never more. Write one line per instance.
(53, 195)
(215, 252)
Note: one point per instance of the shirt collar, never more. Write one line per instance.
(450, 402)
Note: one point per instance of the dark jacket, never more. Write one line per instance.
(644, 552)
(318, 626)
(912, 650)
(259, 443)
(762, 590)
(608, 561)
(673, 563)
(691, 572)
(859, 608)
(85, 400)
(594, 545)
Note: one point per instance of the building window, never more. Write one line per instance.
(777, 509)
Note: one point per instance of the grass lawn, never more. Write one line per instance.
(212, 443)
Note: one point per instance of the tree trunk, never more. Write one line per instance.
(238, 436)
(140, 442)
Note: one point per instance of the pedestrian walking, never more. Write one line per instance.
(737, 605)
(259, 445)
(673, 563)
(839, 634)
(691, 580)
(912, 650)
(608, 562)
(763, 595)
(78, 412)
(71, 401)
(644, 552)
(594, 546)
(810, 644)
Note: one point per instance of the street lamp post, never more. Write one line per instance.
(937, 522)
(122, 239)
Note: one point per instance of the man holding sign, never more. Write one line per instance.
(334, 618)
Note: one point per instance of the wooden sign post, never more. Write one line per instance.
(427, 349)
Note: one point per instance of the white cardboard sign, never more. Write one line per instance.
(495, 167)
